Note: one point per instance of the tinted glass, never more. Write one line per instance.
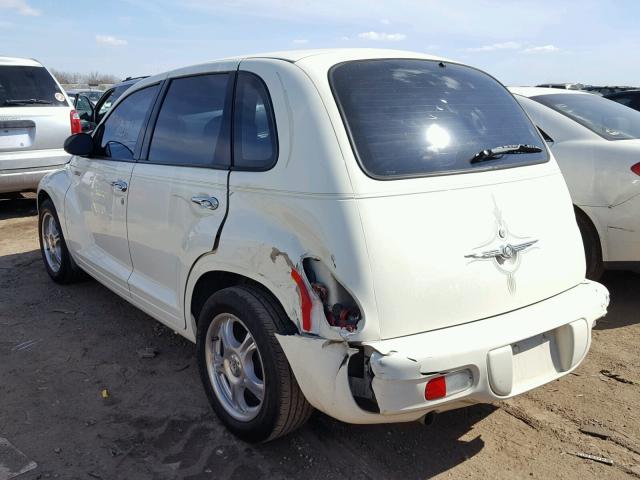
(626, 101)
(419, 117)
(33, 85)
(119, 133)
(192, 126)
(608, 119)
(83, 106)
(94, 95)
(255, 139)
(109, 99)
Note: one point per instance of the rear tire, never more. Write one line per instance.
(229, 319)
(55, 254)
(592, 248)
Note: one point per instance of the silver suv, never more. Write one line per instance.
(35, 118)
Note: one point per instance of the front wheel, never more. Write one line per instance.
(55, 254)
(244, 371)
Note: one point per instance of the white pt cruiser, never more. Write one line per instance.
(380, 235)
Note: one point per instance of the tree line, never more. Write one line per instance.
(91, 78)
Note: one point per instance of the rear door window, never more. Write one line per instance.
(29, 86)
(409, 118)
(192, 128)
(118, 135)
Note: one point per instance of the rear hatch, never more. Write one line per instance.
(34, 115)
(453, 240)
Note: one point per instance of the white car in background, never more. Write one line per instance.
(353, 230)
(596, 143)
(36, 117)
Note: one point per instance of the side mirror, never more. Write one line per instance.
(80, 144)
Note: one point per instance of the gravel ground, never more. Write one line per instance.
(60, 347)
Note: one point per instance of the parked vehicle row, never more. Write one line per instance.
(597, 145)
(84, 102)
(92, 104)
(35, 118)
(379, 235)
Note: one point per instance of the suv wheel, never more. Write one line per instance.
(57, 259)
(245, 373)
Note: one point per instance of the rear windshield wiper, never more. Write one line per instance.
(498, 152)
(26, 101)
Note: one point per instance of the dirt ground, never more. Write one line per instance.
(60, 347)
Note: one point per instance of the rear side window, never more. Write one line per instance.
(29, 86)
(255, 143)
(610, 120)
(192, 126)
(118, 135)
(626, 101)
(409, 118)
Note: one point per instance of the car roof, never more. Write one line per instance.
(19, 62)
(339, 54)
(539, 91)
(323, 55)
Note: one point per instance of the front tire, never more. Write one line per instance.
(592, 248)
(55, 254)
(244, 371)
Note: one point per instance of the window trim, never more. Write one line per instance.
(145, 147)
(99, 131)
(272, 114)
(482, 168)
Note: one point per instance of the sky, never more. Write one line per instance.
(520, 42)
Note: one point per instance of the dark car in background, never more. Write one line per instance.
(630, 98)
(92, 109)
(109, 97)
(92, 95)
(84, 102)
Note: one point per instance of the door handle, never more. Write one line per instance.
(205, 202)
(119, 185)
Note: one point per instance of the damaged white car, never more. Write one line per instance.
(376, 234)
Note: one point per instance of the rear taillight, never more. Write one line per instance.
(636, 168)
(305, 300)
(76, 126)
(436, 388)
(449, 384)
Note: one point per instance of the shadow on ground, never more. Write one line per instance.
(18, 207)
(624, 309)
(62, 346)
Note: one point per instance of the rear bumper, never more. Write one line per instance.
(22, 171)
(506, 355)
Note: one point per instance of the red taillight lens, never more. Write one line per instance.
(436, 388)
(76, 126)
(636, 168)
(305, 300)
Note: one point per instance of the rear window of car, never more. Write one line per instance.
(610, 120)
(409, 118)
(22, 86)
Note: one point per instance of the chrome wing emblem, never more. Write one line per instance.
(505, 252)
(504, 249)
